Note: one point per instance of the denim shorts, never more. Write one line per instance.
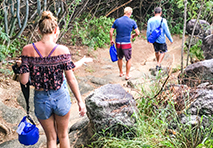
(51, 102)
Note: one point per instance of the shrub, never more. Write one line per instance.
(93, 33)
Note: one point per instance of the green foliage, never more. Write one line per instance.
(3, 52)
(196, 51)
(207, 143)
(173, 11)
(93, 33)
(3, 38)
(10, 50)
(174, 16)
(6, 72)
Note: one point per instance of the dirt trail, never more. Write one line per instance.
(143, 59)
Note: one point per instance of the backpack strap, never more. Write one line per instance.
(37, 50)
(161, 22)
(52, 50)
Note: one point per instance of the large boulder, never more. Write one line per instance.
(207, 47)
(80, 133)
(202, 28)
(11, 114)
(197, 73)
(202, 106)
(111, 109)
(198, 111)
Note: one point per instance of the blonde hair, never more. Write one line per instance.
(47, 23)
(127, 10)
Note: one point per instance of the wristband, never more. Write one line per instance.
(16, 69)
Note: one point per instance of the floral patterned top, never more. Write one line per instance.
(46, 72)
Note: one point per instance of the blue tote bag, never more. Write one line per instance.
(113, 53)
(155, 33)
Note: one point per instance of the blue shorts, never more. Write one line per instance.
(51, 102)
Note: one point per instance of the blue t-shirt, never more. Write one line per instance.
(124, 26)
(153, 23)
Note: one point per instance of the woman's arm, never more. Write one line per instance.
(81, 62)
(24, 77)
(72, 82)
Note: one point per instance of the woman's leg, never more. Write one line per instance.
(62, 123)
(49, 129)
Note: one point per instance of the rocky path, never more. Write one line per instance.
(100, 72)
(103, 71)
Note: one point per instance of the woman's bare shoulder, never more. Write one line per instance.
(27, 49)
(63, 49)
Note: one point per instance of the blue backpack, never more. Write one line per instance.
(155, 33)
(113, 53)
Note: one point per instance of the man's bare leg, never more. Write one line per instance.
(128, 66)
(120, 64)
(161, 56)
(157, 55)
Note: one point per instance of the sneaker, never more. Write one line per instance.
(158, 68)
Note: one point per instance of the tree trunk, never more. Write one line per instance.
(184, 31)
(201, 7)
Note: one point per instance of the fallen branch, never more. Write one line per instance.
(118, 8)
(170, 71)
(5, 129)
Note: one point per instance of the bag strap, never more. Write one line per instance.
(161, 22)
(26, 92)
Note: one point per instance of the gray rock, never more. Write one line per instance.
(80, 133)
(107, 67)
(110, 108)
(79, 124)
(10, 114)
(207, 47)
(202, 106)
(202, 29)
(84, 87)
(83, 137)
(99, 81)
(198, 106)
(191, 120)
(197, 73)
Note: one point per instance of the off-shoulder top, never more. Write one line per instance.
(46, 72)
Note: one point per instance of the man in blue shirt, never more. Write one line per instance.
(160, 44)
(124, 26)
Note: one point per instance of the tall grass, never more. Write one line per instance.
(158, 126)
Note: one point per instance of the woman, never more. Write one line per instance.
(45, 62)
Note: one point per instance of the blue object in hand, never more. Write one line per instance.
(29, 134)
(113, 53)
